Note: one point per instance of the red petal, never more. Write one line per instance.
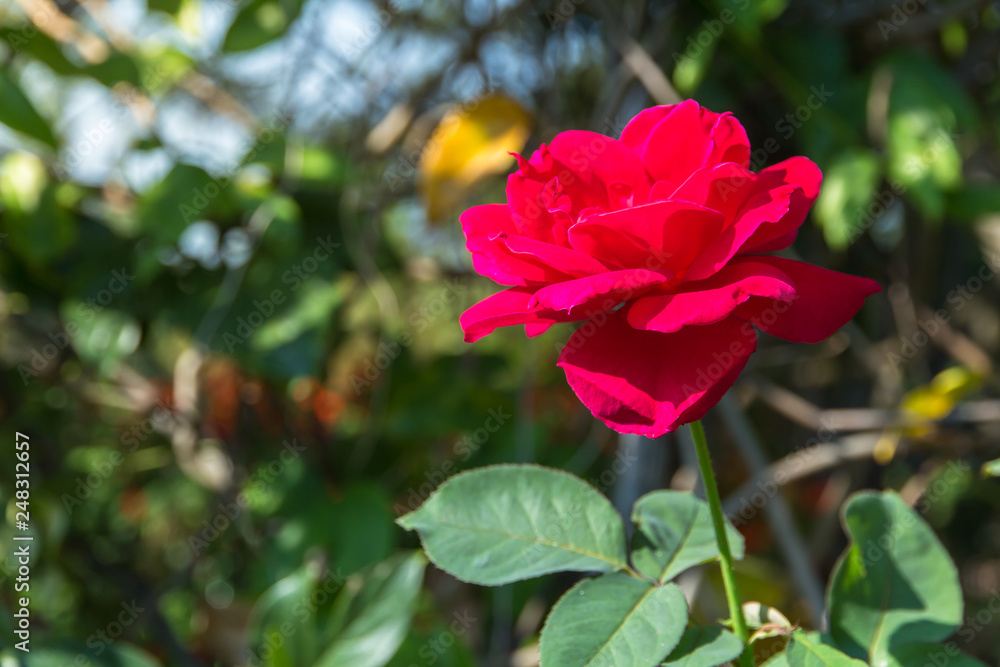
(487, 220)
(825, 301)
(711, 300)
(730, 141)
(596, 157)
(505, 309)
(675, 140)
(798, 171)
(530, 260)
(637, 131)
(724, 188)
(648, 382)
(677, 145)
(665, 235)
(479, 223)
(591, 169)
(611, 289)
(767, 206)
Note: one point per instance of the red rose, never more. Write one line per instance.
(655, 241)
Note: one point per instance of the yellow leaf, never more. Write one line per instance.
(937, 399)
(472, 142)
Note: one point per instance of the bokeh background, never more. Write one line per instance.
(231, 273)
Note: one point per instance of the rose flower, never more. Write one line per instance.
(656, 242)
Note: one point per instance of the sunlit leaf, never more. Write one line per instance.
(504, 523)
(18, 113)
(372, 614)
(100, 335)
(282, 604)
(168, 6)
(895, 585)
(40, 227)
(22, 181)
(187, 194)
(991, 468)
(616, 620)
(848, 189)
(927, 110)
(260, 21)
(803, 651)
(674, 533)
(704, 647)
(931, 654)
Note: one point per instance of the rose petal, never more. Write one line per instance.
(729, 139)
(611, 288)
(582, 169)
(665, 235)
(505, 309)
(764, 207)
(677, 145)
(479, 223)
(724, 188)
(648, 382)
(534, 329)
(711, 300)
(798, 171)
(487, 220)
(674, 140)
(596, 157)
(485, 266)
(532, 261)
(825, 301)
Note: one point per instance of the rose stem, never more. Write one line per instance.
(725, 556)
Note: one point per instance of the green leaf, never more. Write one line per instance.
(779, 660)
(362, 526)
(259, 22)
(614, 619)
(802, 651)
(991, 468)
(895, 584)
(927, 108)
(41, 47)
(974, 201)
(168, 6)
(185, 195)
(280, 605)
(372, 615)
(56, 654)
(117, 67)
(39, 226)
(848, 189)
(433, 645)
(100, 337)
(674, 533)
(746, 17)
(930, 654)
(691, 65)
(312, 309)
(18, 113)
(505, 523)
(704, 647)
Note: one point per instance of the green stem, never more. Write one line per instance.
(725, 556)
